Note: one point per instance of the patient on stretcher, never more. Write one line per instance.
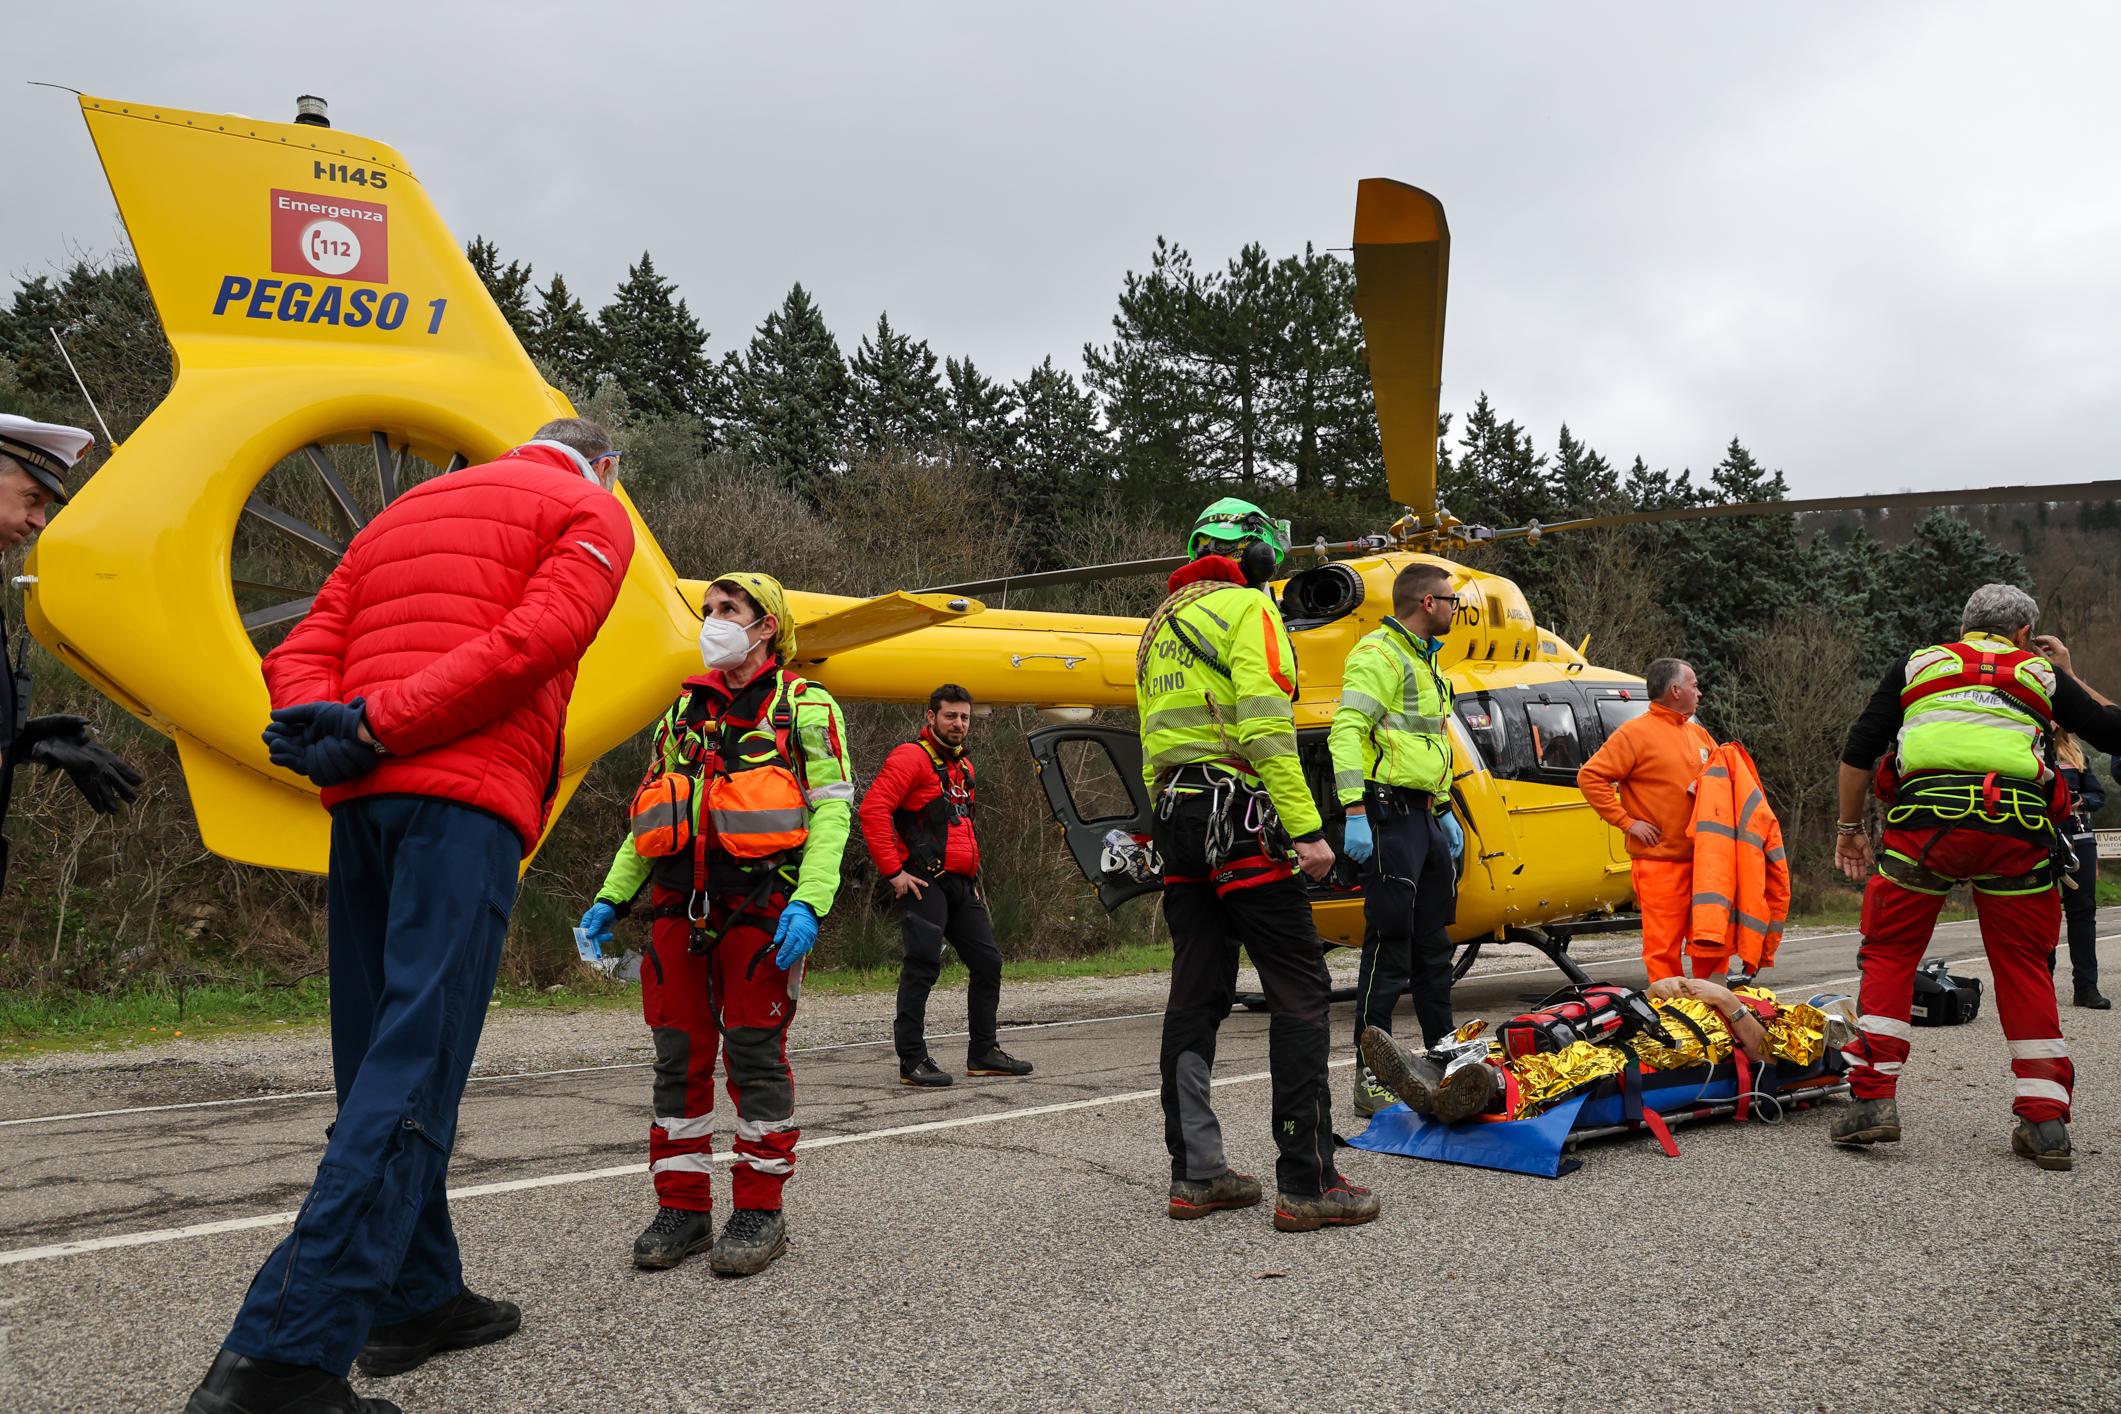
(1593, 1033)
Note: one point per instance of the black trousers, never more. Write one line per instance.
(1410, 899)
(2080, 911)
(950, 910)
(1254, 902)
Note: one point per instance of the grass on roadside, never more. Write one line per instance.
(31, 1023)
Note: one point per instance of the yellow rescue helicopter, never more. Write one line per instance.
(333, 345)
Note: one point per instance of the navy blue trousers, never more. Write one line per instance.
(420, 894)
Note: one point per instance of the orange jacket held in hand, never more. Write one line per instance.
(1741, 873)
(1651, 763)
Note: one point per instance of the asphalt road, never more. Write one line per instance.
(1003, 1245)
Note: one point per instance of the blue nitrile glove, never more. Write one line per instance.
(598, 922)
(1355, 842)
(796, 936)
(1453, 833)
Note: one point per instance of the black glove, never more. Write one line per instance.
(61, 743)
(321, 740)
(335, 760)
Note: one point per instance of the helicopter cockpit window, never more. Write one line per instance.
(1094, 781)
(1613, 711)
(1555, 743)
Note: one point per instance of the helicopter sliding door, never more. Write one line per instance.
(1093, 780)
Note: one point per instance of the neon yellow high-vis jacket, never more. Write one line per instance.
(828, 780)
(1392, 723)
(1981, 704)
(1215, 682)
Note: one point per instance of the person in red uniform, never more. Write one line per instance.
(1971, 799)
(1641, 782)
(426, 692)
(918, 821)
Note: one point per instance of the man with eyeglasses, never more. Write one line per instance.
(426, 692)
(1641, 782)
(1392, 774)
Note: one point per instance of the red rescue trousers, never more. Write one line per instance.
(2018, 929)
(680, 990)
(1664, 895)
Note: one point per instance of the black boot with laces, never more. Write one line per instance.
(750, 1243)
(675, 1234)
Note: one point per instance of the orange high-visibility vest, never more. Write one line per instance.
(1741, 871)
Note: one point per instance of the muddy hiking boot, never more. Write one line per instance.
(996, 1061)
(1420, 1081)
(1198, 1197)
(675, 1234)
(1343, 1205)
(750, 1243)
(1866, 1122)
(924, 1073)
(2045, 1142)
(465, 1320)
(237, 1384)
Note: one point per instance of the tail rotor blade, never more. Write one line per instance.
(1402, 271)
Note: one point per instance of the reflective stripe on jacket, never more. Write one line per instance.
(1391, 725)
(1741, 871)
(1216, 682)
(1981, 704)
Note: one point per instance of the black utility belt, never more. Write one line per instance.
(1404, 799)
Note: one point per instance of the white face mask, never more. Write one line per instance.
(725, 643)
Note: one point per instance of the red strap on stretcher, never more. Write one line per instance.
(1654, 1122)
(1745, 1080)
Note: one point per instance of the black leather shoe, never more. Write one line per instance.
(924, 1073)
(237, 1384)
(2090, 999)
(465, 1320)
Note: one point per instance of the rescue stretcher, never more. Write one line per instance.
(1557, 1100)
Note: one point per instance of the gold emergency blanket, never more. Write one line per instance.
(1797, 1035)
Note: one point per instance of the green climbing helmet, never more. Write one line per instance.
(1233, 521)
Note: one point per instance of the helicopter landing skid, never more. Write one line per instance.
(1257, 1001)
(1553, 941)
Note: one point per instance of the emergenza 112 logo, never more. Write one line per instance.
(332, 236)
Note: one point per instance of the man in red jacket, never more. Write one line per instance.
(917, 821)
(427, 693)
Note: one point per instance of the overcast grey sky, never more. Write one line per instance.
(1881, 244)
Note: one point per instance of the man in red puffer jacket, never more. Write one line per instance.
(427, 693)
(917, 820)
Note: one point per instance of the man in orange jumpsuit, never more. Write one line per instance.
(1642, 782)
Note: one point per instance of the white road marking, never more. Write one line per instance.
(837, 1046)
(534, 1074)
(518, 1185)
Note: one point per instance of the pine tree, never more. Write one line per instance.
(894, 399)
(1323, 418)
(789, 396)
(1584, 483)
(1061, 459)
(656, 351)
(509, 285)
(564, 340)
(1930, 577)
(980, 410)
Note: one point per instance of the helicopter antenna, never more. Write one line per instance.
(83, 386)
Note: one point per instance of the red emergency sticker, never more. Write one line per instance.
(330, 235)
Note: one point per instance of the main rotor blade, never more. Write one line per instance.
(1981, 496)
(1080, 574)
(1087, 574)
(1402, 271)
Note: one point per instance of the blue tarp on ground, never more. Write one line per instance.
(1535, 1145)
